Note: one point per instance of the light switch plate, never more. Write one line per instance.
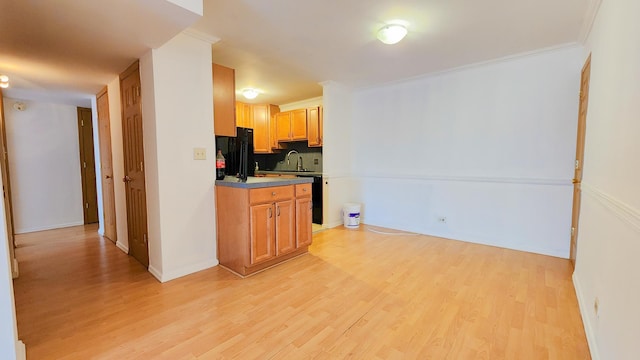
(199, 154)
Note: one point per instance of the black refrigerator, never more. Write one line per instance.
(238, 153)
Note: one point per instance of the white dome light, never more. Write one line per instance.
(392, 33)
(250, 93)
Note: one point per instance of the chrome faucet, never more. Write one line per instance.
(299, 163)
(289, 154)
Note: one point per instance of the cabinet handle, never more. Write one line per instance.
(270, 213)
(273, 193)
(311, 205)
(277, 210)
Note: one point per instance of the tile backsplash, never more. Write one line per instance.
(311, 158)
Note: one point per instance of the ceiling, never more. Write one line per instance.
(283, 47)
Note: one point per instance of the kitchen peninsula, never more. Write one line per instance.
(262, 222)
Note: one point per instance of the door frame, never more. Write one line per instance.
(585, 75)
(6, 184)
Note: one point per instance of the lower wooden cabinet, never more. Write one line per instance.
(258, 228)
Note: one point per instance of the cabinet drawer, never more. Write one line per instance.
(303, 190)
(276, 193)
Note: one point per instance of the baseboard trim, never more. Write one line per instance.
(123, 247)
(156, 274)
(475, 179)
(48, 227)
(588, 329)
(21, 350)
(187, 270)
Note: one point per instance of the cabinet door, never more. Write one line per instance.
(261, 127)
(224, 98)
(299, 124)
(304, 207)
(283, 126)
(262, 233)
(285, 227)
(313, 126)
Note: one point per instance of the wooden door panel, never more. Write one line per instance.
(285, 227)
(87, 166)
(261, 143)
(299, 124)
(283, 126)
(304, 208)
(106, 166)
(579, 163)
(262, 233)
(134, 164)
(313, 126)
(6, 188)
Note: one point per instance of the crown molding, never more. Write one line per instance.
(589, 18)
(197, 34)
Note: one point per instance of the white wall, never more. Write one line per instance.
(609, 229)
(488, 147)
(178, 117)
(44, 165)
(336, 151)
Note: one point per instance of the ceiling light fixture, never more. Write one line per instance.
(392, 33)
(4, 81)
(250, 93)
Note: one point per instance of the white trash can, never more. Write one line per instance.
(351, 215)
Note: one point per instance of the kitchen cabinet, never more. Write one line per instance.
(244, 115)
(291, 125)
(224, 98)
(263, 136)
(304, 211)
(260, 227)
(314, 126)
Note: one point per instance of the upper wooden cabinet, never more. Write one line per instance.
(244, 115)
(291, 125)
(314, 126)
(262, 130)
(224, 98)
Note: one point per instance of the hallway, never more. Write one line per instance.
(357, 294)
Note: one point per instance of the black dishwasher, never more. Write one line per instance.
(316, 197)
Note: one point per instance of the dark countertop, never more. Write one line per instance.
(295, 173)
(262, 182)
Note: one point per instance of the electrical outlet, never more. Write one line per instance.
(442, 219)
(199, 154)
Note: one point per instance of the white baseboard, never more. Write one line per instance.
(47, 227)
(122, 247)
(193, 268)
(588, 328)
(21, 351)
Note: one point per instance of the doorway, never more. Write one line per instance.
(577, 177)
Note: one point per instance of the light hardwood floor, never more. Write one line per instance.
(357, 294)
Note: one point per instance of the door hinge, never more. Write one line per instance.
(86, 205)
(573, 231)
(84, 164)
(144, 238)
(81, 122)
(141, 166)
(577, 164)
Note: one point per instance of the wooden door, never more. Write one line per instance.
(285, 227)
(87, 166)
(6, 189)
(106, 165)
(577, 177)
(299, 124)
(313, 126)
(304, 210)
(261, 127)
(262, 233)
(283, 126)
(224, 99)
(134, 164)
